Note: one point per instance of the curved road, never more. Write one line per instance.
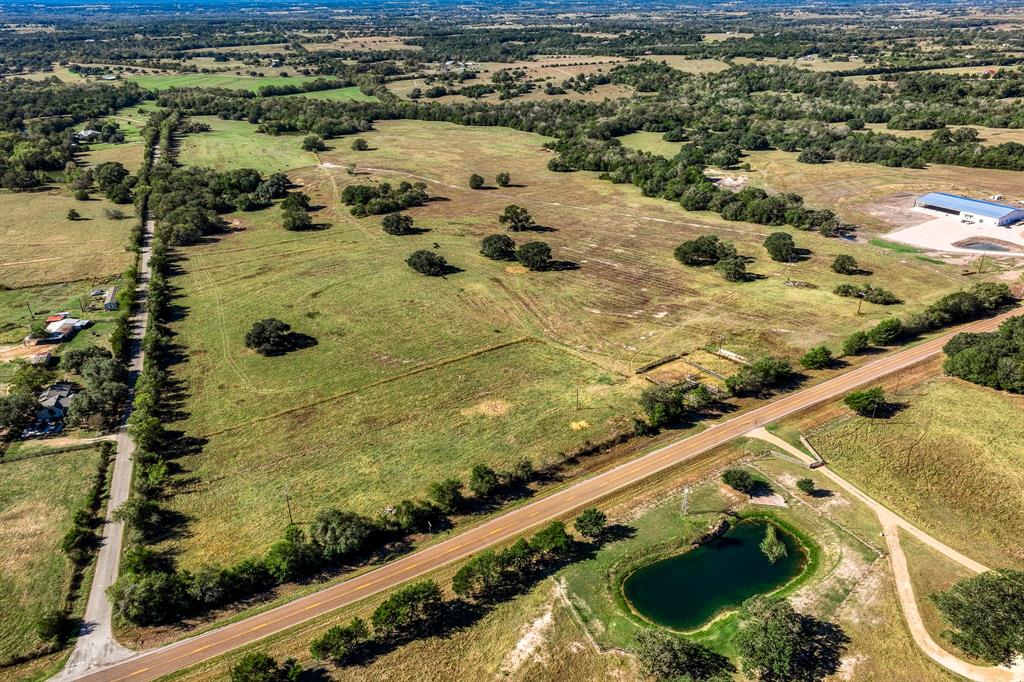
(158, 662)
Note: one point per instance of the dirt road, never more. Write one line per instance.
(158, 662)
(891, 524)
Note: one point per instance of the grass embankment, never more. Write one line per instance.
(403, 362)
(37, 500)
(951, 461)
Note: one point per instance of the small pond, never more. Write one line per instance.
(685, 591)
(979, 245)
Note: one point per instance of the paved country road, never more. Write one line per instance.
(165, 660)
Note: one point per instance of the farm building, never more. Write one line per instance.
(110, 299)
(54, 402)
(971, 210)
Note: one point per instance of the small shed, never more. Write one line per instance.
(110, 299)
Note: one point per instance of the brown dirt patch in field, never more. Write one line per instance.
(21, 530)
(488, 408)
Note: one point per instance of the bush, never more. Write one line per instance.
(483, 481)
(591, 523)
(534, 255)
(427, 263)
(340, 642)
(313, 143)
(772, 546)
(447, 495)
(259, 667)
(780, 247)
(148, 598)
(498, 247)
(845, 264)
(56, 626)
(73, 214)
(296, 220)
(663, 405)
(269, 336)
(338, 534)
(476, 181)
(760, 376)
(410, 610)
(360, 145)
(818, 357)
(503, 179)
(704, 250)
(739, 479)
(886, 332)
(551, 541)
(806, 486)
(732, 269)
(866, 402)
(291, 557)
(856, 343)
(397, 224)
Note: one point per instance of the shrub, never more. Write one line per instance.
(269, 336)
(447, 495)
(818, 357)
(886, 332)
(73, 214)
(397, 224)
(56, 626)
(313, 143)
(772, 546)
(551, 541)
(760, 376)
(259, 667)
(339, 534)
(534, 255)
(503, 179)
(483, 481)
(732, 269)
(738, 479)
(704, 250)
(663, 405)
(360, 145)
(806, 486)
(148, 598)
(856, 343)
(427, 263)
(867, 401)
(476, 181)
(340, 642)
(410, 610)
(296, 220)
(498, 247)
(845, 264)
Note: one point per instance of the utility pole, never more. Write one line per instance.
(686, 501)
(981, 263)
(860, 304)
(31, 315)
(288, 502)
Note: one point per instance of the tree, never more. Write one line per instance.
(480, 578)
(498, 247)
(845, 264)
(666, 656)
(483, 481)
(410, 610)
(73, 214)
(551, 540)
(339, 534)
(740, 480)
(772, 545)
(427, 263)
(806, 486)
(856, 343)
(866, 402)
(733, 269)
(148, 598)
(17, 412)
(503, 179)
(296, 220)
(760, 376)
(397, 224)
(985, 614)
(360, 145)
(82, 194)
(259, 667)
(591, 523)
(516, 218)
(534, 255)
(447, 495)
(886, 332)
(289, 558)
(780, 247)
(296, 201)
(704, 250)
(313, 143)
(341, 642)
(768, 638)
(818, 357)
(663, 405)
(476, 181)
(269, 336)
(56, 625)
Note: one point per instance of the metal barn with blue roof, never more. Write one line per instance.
(972, 210)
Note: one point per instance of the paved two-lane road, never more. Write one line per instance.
(158, 662)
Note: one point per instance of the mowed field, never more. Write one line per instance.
(37, 500)
(160, 81)
(431, 375)
(951, 461)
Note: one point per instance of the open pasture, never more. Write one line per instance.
(160, 81)
(432, 375)
(37, 500)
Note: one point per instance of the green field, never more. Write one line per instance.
(403, 362)
(159, 81)
(37, 500)
(651, 142)
(338, 94)
(952, 462)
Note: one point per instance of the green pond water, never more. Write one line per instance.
(685, 591)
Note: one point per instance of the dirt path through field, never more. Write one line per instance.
(891, 525)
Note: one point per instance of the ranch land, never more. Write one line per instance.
(433, 375)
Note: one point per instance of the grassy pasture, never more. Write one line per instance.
(339, 94)
(159, 81)
(39, 245)
(37, 500)
(403, 362)
(691, 65)
(957, 473)
(989, 136)
(651, 142)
